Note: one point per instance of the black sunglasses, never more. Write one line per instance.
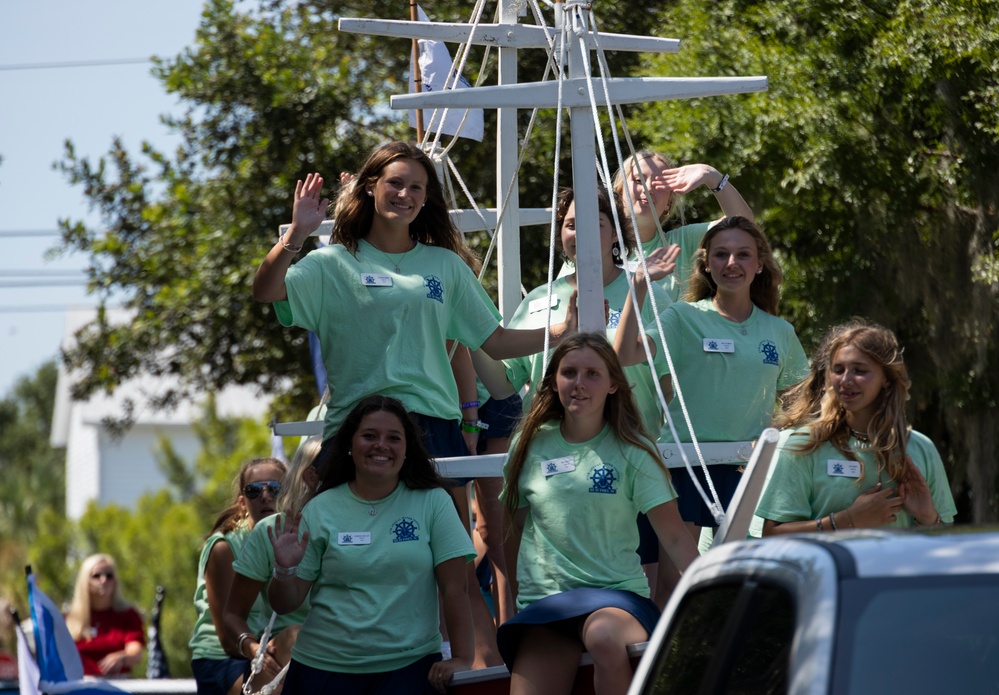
(253, 490)
(98, 575)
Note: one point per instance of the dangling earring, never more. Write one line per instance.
(616, 252)
(370, 194)
(759, 270)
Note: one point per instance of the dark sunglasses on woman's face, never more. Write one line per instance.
(253, 490)
(98, 575)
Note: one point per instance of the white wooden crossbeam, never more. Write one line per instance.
(498, 35)
(466, 220)
(622, 90)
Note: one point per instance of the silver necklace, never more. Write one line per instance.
(395, 264)
(372, 511)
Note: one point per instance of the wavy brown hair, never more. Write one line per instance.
(355, 210)
(889, 429)
(231, 517)
(765, 289)
(620, 410)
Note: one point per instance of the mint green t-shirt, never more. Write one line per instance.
(205, 642)
(581, 529)
(810, 486)
(374, 596)
(531, 314)
(256, 561)
(384, 332)
(730, 373)
(688, 238)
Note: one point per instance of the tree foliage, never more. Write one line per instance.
(872, 161)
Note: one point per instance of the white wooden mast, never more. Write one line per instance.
(509, 95)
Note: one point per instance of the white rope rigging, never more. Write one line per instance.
(257, 664)
(578, 25)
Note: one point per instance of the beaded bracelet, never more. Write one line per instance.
(289, 247)
(818, 524)
(832, 521)
(283, 573)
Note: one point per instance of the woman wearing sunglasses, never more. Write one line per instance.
(257, 487)
(107, 628)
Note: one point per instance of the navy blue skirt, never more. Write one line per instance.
(563, 612)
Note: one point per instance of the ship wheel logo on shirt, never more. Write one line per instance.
(405, 530)
(769, 351)
(435, 287)
(603, 478)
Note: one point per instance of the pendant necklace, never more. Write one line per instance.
(372, 510)
(863, 440)
(395, 264)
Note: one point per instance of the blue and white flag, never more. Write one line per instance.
(58, 659)
(59, 669)
(435, 66)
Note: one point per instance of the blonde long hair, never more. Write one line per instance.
(620, 410)
(78, 617)
(295, 489)
(888, 430)
(633, 163)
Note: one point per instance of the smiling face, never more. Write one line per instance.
(651, 170)
(266, 503)
(568, 234)
(583, 383)
(400, 191)
(733, 261)
(378, 447)
(858, 382)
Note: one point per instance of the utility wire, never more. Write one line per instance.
(29, 232)
(76, 64)
(39, 308)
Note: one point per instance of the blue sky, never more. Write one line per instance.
(40, 108)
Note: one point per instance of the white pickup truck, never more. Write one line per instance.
(851, 612)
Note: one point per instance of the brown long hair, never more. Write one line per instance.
(765, 289)
(620, 410)
(889, 429)
(355, 210)
(606, 202)
(417, 472)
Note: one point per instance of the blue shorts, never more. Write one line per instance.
(502, 416)
(726, 479)
(442, 439)
(408, 680)
(565, 613)
(216, 676)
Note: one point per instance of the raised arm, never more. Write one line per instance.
(308, 212)
(687, 178)
(627, 343)
(286, 590)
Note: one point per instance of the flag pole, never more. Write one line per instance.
(417, 75)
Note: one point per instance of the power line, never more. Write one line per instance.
(76, 64)
(41, 283)
(29, 232)
(40, 308)
(45, 272)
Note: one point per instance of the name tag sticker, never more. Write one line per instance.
(541, 303)
(566, 464)
(843, 468)
(376, 280)
(718, 345)
(354, 538)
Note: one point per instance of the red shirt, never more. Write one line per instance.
(110, 631)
